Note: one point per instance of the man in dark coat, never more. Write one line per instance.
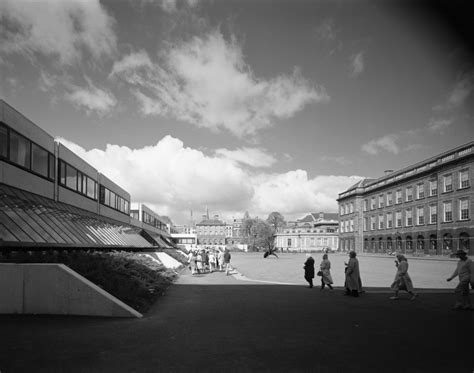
(309, 270)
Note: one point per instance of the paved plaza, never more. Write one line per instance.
(216, 323)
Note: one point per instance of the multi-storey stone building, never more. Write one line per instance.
(211, 231)
(425, 208)
(314, 232)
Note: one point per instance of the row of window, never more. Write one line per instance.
(153, 221)
(113, 200)
(313, 242)
(420, 191)
(76, 180)
(25, 153)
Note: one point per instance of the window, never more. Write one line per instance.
(381, 201)
(3, 141)
(398, 218)
(409, 194)
(39, 160)
(448, 183)
(71, 177)
(352, 225)
(433, 214)
(289, 242)
(389, 199)
(420, 191)
(372, 203)
(408, 218)
(366, 204)
(351, 207)
(464, 179)
(19, 150)
(372, 223)
(389, 220)
(420, 215)
(448, 211)
(433, 187)
(51, 162)
(398, 196)
(464, 209)
(366, 223)
(381, 222)
(116, 202)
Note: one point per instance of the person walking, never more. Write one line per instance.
(325, 268)
(309, 270)
(220, 260)
(402, 279)
(463, 270)
(227, 258)
(352, 275)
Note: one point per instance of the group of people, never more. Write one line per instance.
(402, 280)
(208, 260)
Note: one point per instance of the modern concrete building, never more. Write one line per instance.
(312, 233)
(425, 208)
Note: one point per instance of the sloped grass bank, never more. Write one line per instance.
(133, 278)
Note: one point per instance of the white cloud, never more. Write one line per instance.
(386, 143)
(65, 29)
(173, 179)
(206, 82)
(92, 99)
(439, 125)
(343, 161)
(462, 89)
(357, 64)
(253, 157)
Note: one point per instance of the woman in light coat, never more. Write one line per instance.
(352, 275)
(402, 279)
(325, 267)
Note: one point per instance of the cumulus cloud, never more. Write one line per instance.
(461, 91)
(357, 64)
(386, 143)
(173, 179)
(206, 82)
(253, 157)
(64, 29)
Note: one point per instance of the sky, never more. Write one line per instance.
(239, 105)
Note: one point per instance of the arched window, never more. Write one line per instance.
(372, 245)
(433, 244)
(389, 245)
(409, 245)
(464, 242)
(381, 245)
(399, 244)
(420, 244)
(366, 244)
(447, 243)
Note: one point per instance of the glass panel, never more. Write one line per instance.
(90, 188)
(51, 166)
(3, 141)
(39, 160)
(5, 234)
(71, 177)
(19, 150)
(107, 197)
(102, 194)
(84, 184)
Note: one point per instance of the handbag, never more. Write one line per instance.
(320, 273)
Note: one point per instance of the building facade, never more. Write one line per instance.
(211, 232)
(424, 209)
(313, 233)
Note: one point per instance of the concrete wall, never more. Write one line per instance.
(55, 289)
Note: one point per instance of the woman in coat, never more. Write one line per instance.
(309, 270)
(402, 279)
(325, 267)
(352, 275)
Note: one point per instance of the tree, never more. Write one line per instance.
(276, 221)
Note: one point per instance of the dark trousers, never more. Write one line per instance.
(310, 281)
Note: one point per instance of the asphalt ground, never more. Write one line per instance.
(219, 323)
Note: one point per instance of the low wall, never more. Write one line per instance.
(55, 289)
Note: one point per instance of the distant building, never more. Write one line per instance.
(211, 231)
(314, 232)
(423, 209)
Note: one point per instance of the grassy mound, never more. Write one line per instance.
(133, 278)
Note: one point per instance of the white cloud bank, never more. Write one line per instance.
(206, 82)
(173, 179)
(62, 28)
